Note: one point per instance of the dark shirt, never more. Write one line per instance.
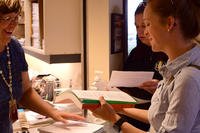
(18, 65)
(142, 58)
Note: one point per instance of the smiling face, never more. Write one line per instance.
(155, 30)
(8, 22)
(140, 27)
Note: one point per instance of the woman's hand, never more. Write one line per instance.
(150, 86)
(106, 112)
(62, 116)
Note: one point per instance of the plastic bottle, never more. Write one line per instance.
(98, 83)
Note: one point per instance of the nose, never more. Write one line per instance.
(146, 33)
(140, 32)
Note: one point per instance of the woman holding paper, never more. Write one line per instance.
(175, 106)
(142, 58)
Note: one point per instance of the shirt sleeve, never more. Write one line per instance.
(24, 65)
(19, 52)
(18, 55)
(184, 103)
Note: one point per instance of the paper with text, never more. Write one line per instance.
(129, 78)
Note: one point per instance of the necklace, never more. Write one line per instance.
(12, 102)
(9, 82)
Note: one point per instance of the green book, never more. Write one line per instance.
(89, 99)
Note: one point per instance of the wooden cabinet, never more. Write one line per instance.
(60, 29)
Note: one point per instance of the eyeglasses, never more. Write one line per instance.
(9, 19)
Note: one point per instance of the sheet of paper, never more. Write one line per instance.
(72, 127)
(129, 78)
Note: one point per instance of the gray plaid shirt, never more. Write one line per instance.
(175, 106)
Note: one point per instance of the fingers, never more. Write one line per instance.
(149, 85)
(63, 120)
(155, 80)
(152, 82)
(96, 115)
(63, 116)
(70, 117)
(102, 100)
(74, 117)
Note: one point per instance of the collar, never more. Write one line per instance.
(172, 67)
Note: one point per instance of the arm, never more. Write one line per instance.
(138, 114)
(106, 112)
(33, 101)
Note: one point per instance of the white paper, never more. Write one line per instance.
(129, 78)
(72, 127)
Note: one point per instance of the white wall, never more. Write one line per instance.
(98, 36)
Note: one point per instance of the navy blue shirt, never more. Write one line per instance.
(18, 65)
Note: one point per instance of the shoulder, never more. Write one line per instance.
(190, 72)
(189, 77)
(136, 52)
(133, 50)
(15, 45)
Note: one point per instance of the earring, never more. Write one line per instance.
(171, 27)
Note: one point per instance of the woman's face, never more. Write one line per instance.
(140, 27)
(8, 22)
(155, 31)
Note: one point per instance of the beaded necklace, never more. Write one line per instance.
(12, 102)
(9, 82)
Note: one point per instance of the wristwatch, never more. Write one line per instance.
(117, 125)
